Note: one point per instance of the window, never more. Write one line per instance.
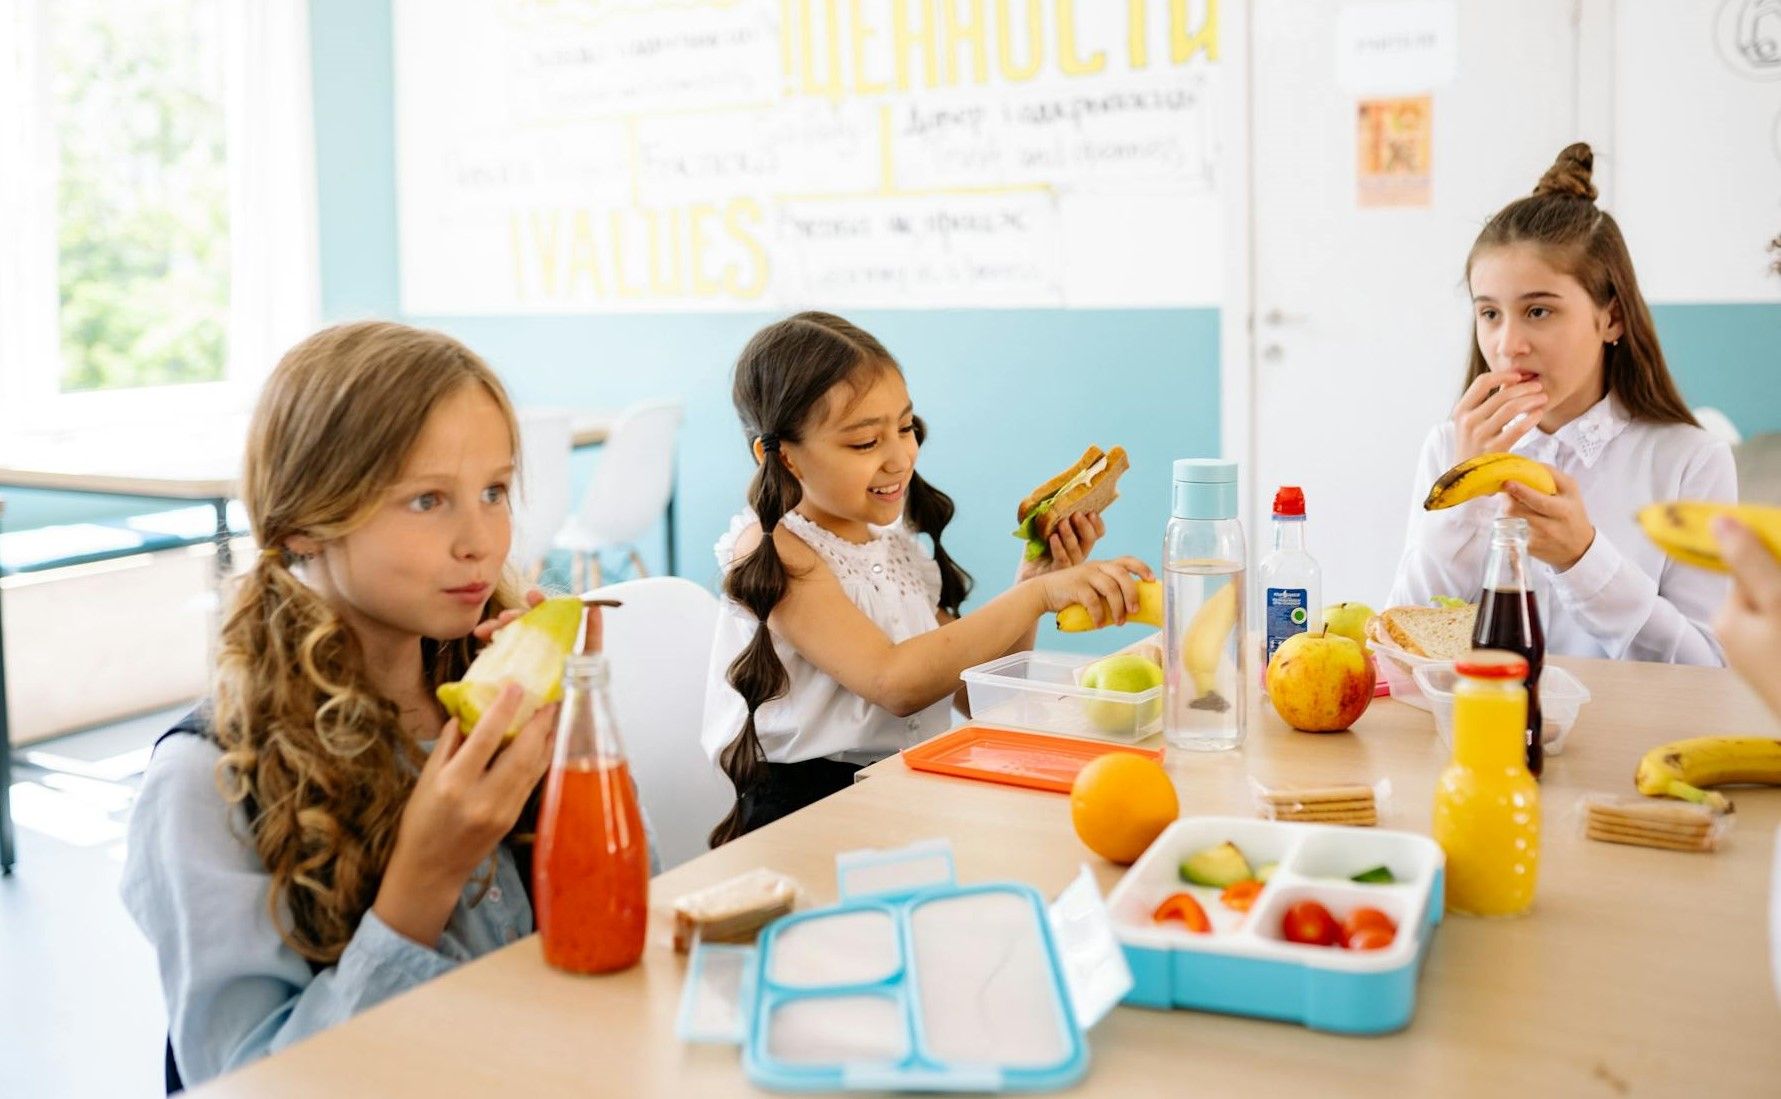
(159, 240)
(142, 193)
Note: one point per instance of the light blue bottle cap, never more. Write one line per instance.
(1205, 488)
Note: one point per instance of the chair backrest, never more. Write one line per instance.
(1718, 423)
(542, 501)
(659, 646)
(631, 483)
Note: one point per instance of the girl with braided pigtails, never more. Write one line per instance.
(841, 638)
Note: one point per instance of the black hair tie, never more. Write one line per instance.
(769, 443)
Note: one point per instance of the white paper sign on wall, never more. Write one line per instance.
(1397, 48)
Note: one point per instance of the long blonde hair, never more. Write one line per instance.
(308, 743)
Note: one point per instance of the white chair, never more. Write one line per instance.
(542, 501)
(1718, 423)
(628, 491)
(659, 646)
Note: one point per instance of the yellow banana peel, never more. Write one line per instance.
(1076, 619)
(1487, 474)
(1684, 529)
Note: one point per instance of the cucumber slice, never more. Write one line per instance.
(1378, 875)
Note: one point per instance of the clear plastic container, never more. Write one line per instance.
(1562, 695)
(1398, 667)
(1039, 691)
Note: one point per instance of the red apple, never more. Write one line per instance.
(1321, 683)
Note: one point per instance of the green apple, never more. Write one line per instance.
(1128, 673)
(1349, 620)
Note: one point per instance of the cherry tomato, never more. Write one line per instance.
(1370, 938)
(1364, 918)
(1184, 909)
(1311, 923)
(1240, 896)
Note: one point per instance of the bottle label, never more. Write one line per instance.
(1284, 613)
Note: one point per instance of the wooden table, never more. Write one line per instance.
(1640, 972)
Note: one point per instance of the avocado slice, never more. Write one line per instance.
(1378, 875)
(1266, 871)
(1216, 867)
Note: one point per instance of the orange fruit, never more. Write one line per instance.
(1119, 803)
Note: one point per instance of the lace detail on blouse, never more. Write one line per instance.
(892, 561)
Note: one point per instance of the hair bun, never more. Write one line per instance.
(1569, 174)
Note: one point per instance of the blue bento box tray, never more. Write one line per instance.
(892, 888)
(1245, 967)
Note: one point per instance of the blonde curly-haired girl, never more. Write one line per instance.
(327, 838)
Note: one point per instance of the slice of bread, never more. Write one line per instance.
(1443, 633)
(1096, 495)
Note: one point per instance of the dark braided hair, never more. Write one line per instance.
(782, 378)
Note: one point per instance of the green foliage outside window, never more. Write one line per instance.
(142, 198)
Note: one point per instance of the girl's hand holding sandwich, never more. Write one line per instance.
(1070, 545)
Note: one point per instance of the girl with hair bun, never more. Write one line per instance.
(1566, 368)
(840, 640)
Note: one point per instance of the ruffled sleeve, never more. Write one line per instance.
(726, 543)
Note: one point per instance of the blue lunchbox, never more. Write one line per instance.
(914, 982)
(1245, 965)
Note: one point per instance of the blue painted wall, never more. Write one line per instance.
(1727, 356)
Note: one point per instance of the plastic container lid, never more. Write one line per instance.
(1206, 471)
(1204, 488)
(1289, 502)
(1491, 664)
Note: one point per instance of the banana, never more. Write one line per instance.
(1075, 617)
(1681, 768)
(1202, 651)
(1485, 474)
(1684, 529)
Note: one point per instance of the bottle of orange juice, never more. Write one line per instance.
(1487, 805)
(590, 874)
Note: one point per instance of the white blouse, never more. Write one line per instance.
(1624, 599)
(896, 584)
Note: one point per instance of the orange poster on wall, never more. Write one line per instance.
(1394, 157)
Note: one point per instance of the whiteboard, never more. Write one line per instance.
(588, 156)
(1696, 176)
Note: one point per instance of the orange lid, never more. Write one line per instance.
(1491, 664)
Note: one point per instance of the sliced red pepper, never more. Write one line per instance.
(1184, 909)
(1240, 896)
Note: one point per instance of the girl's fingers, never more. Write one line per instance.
(443, 747)
(1135, 565)
(534, 596)
(1755, 572)
(484, 740)
(1065, 536)
(528, 757)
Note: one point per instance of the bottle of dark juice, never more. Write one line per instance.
(1509, 618)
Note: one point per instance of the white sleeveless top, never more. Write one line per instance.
(896, 584)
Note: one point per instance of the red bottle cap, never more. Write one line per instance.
(1491, 664)
(1290, 500)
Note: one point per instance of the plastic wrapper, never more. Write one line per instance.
(1356, 804)
(1652, 822)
